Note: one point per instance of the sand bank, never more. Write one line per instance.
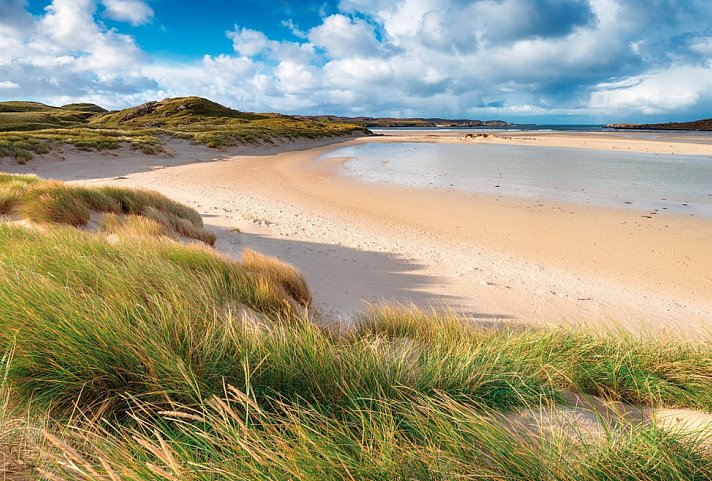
(678, 143)
(490, 257)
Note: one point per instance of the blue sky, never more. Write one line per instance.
(544, 61)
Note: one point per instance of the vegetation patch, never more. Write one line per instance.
(28, 128)
(137, 357)
(53, 202)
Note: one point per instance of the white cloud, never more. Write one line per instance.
(343, 37)
(479, 58)
(7, 85)
(702, 45)
(248, 42)
(136, 12)
(13, 16)
(66, 53)
(665, 91)
(296, 31)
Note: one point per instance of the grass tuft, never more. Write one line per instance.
(53, 202)
(278, 275)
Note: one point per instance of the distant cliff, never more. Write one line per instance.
(705, 124)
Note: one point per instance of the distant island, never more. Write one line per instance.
(412, 122)
(705, 124)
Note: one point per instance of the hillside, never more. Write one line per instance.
(25, 116)
(173, 112)
(30, 128)
(704, 124)
(84, 107)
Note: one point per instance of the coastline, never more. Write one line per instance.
(492, 258)
(658, 143)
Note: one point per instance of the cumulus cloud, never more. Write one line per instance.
(609, 59)
(6, 84)
(248, 42)
(341, 36)
(66, 53)
(14, 16)
(670, 90)
(136, 12)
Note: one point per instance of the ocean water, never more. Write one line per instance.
(650, 183)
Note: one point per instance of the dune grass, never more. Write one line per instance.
(426, 438)
(22, 439)
(53, 202)
(149, 317)
(641, 369)
(28, 129)
(148, 359)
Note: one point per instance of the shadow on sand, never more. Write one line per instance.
(346, 281)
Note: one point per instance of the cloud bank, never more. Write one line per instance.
(550, 60)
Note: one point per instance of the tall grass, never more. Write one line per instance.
(21, 432)
(169, 361)
(425, 438)
(53, 202)
(91, 319)
(96, 321)
(641, 369)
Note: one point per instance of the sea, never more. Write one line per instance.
(647, 182)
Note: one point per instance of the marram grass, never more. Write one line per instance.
(233, 437)
(53, 202)
(158, 360)
(27, 129)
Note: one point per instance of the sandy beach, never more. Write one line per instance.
(492, 258)
(631, 141)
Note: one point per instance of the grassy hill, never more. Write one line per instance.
(127, 352)
(84, 107)
(174, 112)
(29, 128)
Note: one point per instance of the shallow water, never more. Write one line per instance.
(647, 182)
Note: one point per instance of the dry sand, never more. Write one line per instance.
(492, 258)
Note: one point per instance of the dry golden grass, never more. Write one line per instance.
(54, 202)
(133, 226)
(21, 434)
(278, 276)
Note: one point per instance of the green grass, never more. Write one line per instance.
(156, 360)
(431, 438)
(85, 107)
(640, 369)
(21, 432)
(150, 317)
(27, 128)
(128, 211)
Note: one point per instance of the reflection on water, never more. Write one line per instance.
(647, 182)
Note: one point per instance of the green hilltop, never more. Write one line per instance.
(29, 128)
(174, 112)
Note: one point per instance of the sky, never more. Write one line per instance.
(538, 61)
